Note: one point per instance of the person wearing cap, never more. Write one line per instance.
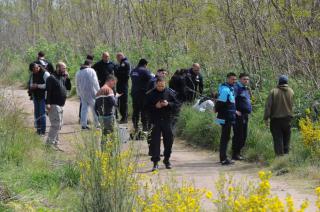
(37, 91)
(104, 68)
(57, 86)
(194, 82)
(243, 109)
(279, 110)
(87, 86)
(122, 73)
(140, 76)
(44, 63)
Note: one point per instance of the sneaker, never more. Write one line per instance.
(155, 166)
(86, 128)
(227, 162)
(167, 164)
(237, 157)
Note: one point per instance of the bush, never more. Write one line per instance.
(198, 128)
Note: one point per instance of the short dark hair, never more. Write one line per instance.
(41, 54)
(243, 75)
(87, 62)
(110, 77)
(231, 74)
(32, 65)
(89, 57)
(160, 79)
(142, 62)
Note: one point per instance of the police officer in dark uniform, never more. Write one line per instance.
(178, 84)
(194, 83)
(161, 104)
(122, 73)
(140, 76)
(104, 68)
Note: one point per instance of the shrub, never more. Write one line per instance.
(198, 128)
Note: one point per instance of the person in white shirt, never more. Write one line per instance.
(87, 87)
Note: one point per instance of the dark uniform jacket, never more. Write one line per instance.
(178, 84)
(103, 69)
(140, 77)
(164, 113)
(122, 73)
(57, 86)
(194, 82)
(242, 95)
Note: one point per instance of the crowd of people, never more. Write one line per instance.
(103, 87)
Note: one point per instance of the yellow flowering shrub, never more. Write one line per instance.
(310, 132)
(238, 197)
(172, 197)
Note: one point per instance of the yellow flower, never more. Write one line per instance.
(209, 195)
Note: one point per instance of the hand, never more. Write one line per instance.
(119, 94)
(266, 123)
(164, 103)
(238, 113)
(159, 105)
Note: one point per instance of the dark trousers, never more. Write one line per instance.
(161, 127)
(138, 101)
(123, 100)
(224, 140)
(40, 115)
(281, 132)
(240, 133)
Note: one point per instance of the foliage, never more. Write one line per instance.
(108, 181)
(311, 135)
(233, 196)
(198, 128)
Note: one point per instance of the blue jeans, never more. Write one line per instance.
(40, 115)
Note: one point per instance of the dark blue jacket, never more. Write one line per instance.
(140, 77)
(225, 105)
(243, 103)
(122, 72)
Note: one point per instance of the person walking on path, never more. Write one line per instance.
(36, 89)
(87, 87)
(279, 110)
(243, 109)
(226, 109)
(122, 73)
(57, 85)
(104, 68)
(161, 104)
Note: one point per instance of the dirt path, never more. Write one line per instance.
(197, 165)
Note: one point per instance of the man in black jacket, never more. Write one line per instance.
(161, 104)
(194, 83)
(140, 76)
(57, 85)
(123, 73)
(104, 68)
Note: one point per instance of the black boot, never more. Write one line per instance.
(155, 166)
(167, 163)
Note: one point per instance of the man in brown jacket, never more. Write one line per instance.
(279, 109)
